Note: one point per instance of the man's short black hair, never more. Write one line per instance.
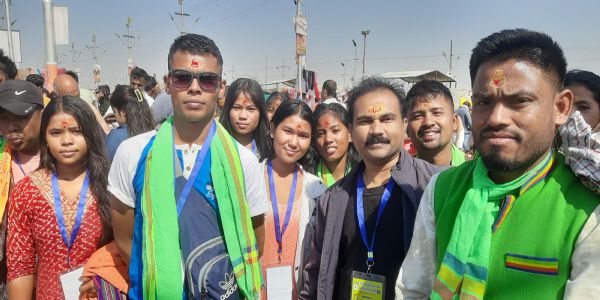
(7, 66)
(139, 73)
(428, 89)
(73, 74)
(36, 79)
(587, 79)
(330, 87)
(521, 44)
(195, 44)
(105, 89)
(150, 83)
(371, 84)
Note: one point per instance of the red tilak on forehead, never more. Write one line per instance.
(195, 63)
(498, 79)
(245, 101)
(325, 123)
(64, 124)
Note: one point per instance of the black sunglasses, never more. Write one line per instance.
(182, 79)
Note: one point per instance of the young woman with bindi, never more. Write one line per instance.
(273, 102)
(244, 116)
(133, 115)
(59, 215)
(334, 144)
(291, 190)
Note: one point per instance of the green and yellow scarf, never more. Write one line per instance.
(161, 255)
(464, 267)
(324, 173)
(458, 157)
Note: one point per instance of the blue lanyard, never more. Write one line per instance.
(254, 146)
(18, 161)
(279, 232)
(59, 212)
(360, 214)
(197, 164)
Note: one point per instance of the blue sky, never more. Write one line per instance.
(252, 34)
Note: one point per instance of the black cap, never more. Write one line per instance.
(20, 97)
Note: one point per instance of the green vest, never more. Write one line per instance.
(458, 157)
(542, 227)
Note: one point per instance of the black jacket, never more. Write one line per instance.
(322, 238)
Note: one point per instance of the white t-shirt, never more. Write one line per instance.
(148, 98)
(334, 100)
(123, 168)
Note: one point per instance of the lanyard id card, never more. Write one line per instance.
(280, 283)
(367, 286)
(280, 231)
(70, 282)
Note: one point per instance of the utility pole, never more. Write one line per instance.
(450, 59)
(128, 36)
(231, 73)
(93, 48)
(282, 68)
(451, 56)
(93, 51)
(355, 60)
(182, 16)
(73, 53)
(127, 41)
(9, 30)
(344, 74)
(364, 33)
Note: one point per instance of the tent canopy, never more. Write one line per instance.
(416, 76)
(289, 82)
(277, 85)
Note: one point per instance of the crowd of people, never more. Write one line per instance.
(204, 190)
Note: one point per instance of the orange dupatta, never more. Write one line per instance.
(5, 161)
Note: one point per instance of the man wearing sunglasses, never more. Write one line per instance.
(189, 192)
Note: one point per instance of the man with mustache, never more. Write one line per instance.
(431, 122)
(514, 223)
(362, 226)
(21, 105)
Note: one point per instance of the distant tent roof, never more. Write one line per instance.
(289, 82)
(416, 76)
(276, 85)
